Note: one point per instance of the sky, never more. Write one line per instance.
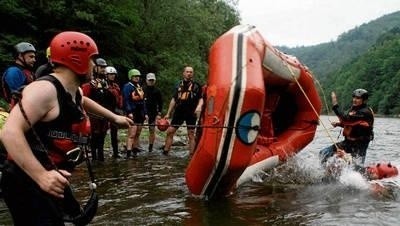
(310, 22)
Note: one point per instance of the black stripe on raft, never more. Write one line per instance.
(223, 161)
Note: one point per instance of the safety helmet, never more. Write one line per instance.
(133, 73)
(23, 47)
(74, 50)
(48, 52)
(162, 124)
(100, 62)
(361, 93)
(150, 76)
(111, 70)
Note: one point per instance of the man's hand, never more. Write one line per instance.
(122, 121)
(197, 112)
(54, 182)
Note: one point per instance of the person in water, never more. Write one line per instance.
(48, 122)
(357, 125)
(186, 105)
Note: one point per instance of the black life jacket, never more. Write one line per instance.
(68, 130)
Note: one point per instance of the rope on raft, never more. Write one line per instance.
(309, 102)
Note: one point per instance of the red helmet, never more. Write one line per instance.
(73, 50)
(382, 170)
(162, 124)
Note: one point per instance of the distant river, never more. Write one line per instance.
(151, 190)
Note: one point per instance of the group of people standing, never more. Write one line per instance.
(49, 118)
(140, 101)
(47, 121)
(72, 97)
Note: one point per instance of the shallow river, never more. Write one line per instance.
(151, 190)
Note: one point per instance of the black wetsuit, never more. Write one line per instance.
(28, 204)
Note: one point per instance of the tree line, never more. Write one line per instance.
(159, 36)
(366, 57)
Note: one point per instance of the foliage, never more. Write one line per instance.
(378, 71)
(329, 57)
(159, 36)
(364, 57)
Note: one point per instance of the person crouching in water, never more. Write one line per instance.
(43, 127)
(357, 125)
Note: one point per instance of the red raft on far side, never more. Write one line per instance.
(261, 108)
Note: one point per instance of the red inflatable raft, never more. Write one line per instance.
(261, 108)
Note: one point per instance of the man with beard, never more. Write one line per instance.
(97, 90)
(20, 73)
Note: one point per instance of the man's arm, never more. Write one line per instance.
(171, 106)
(39, 103)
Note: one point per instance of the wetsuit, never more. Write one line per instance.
(28, 204)
(357, 126)
(187, 95)
(98, 91)
(154, 102)
(115, 90)
(134, 102)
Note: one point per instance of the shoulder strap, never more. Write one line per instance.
(61, 92)
(53, 80)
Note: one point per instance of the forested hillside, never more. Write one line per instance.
(367, 57)
(326, 58)
(378, 70)
(151, 35)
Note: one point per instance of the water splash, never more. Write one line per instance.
(353, 179)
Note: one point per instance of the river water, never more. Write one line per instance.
(151, 190)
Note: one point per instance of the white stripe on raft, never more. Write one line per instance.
(245, 32)
(273, 62)
(257, 168)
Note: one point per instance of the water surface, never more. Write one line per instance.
(151, 190)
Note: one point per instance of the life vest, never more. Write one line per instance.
(70, 129)
(138, 93)
(6, 92)
(187, 92)
(184, 92)
(359, 130)
(116, 92)
(98, 90)
(348, 126)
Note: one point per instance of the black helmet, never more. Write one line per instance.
(101, 62)
(23, 47)
(361, 93)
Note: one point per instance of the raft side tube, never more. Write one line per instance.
(223, 154)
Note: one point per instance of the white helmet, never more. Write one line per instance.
(111, 70)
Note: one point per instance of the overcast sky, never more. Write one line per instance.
(309, 22)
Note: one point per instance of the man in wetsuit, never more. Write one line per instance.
(98, 90)
(115, 90)
(357, 125)
(186, 105)
(154, 104)
(48, 123)
(135, 108)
